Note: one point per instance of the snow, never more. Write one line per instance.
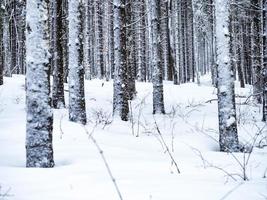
(140, 165)
(230, 121)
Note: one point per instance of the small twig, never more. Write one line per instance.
(166, 146)
(101, 152)
(238, 96)
(5, 194)
(60, 126)
(252, 95)
(209, 101)
(132, 119)
(208, 164)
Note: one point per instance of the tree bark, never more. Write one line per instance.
(39, 151)
(57, 62)
(120, 99)
(158, 99)
(226, 96)
(77, 112)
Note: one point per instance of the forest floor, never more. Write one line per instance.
(136, 150)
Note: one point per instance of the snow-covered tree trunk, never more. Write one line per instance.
(39, 151)
(264, 20)
(182, 49)
(86, 43)
(105, 36)
(256, 49)
(176, 28)
(77, 111)
(99, 59)
(13, 37)
(158, 100)
(213, 42)
(149, 42)
(1, 43)
(138, 11)
(111, 39)
(65, 39)
(130, 51)
(6, 43)
(120, 99)
(191, 49)
(57, 62)
(165, 40)
(226, 95)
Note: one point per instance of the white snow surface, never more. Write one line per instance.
(140, 165)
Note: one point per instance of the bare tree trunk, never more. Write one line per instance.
(226, 95)
(57, 52)
(77, 112)
(39, 151)
(264, 20)
(1, 44)
(111, 39)
(120, 99)
(256, 49)
(65, 39)
(158, 100)
(86, 42)
(99, 64)
(138, 10)
(6, 41)
(130, 51)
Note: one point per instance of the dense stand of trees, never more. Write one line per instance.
(143, 40)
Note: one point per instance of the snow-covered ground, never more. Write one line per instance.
(134, 150)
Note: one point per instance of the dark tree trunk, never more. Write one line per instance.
(58, 64)
(264, 20)
(120, 94)
(158, 99)
(77, 112)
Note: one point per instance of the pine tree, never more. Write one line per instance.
(256, 48)
(165, 40)
(57, 54)
(120, 98)
(77, 111)
(39, 151)
(86, 42)
(65, 39)
(176, 40)
(139, 37)
(111, 38)
(158, 100)
(6, 40)
(226, 95)
(99, 59)
(1, 43)
(130, 50)
(264, 50)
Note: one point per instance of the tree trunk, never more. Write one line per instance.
(264, 20)
(120, 99)
(77, 112)
(58, 70)
(6, 41)
(158, 100)
(1, 44)
(226, 95)
(39, 151)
